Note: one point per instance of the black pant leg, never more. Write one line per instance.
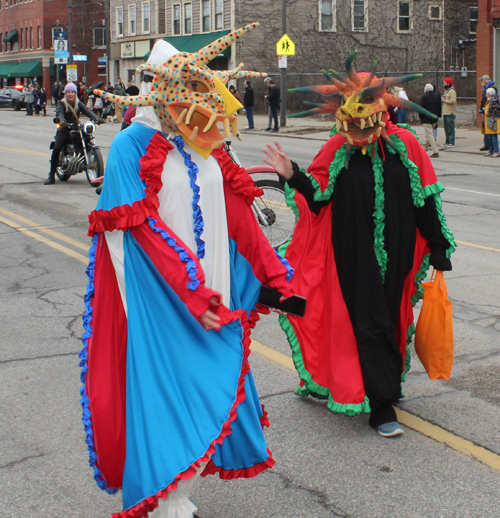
(62, 139)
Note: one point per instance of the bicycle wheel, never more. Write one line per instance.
(275, 218)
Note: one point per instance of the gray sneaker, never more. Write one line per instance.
(391, 429)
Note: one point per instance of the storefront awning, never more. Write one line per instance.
(21, 69)
(195, 42)
(11, 37)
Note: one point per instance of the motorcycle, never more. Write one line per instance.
(82, 154)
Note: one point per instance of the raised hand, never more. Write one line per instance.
(279, 160)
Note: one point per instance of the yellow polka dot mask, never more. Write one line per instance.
(191, 99)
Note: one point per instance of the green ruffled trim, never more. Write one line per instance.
(419, 277)
(311, 388)
(379, 215)
(336, 166)
(444, 227)
(416, 188)
(435, 188)
(408, 127)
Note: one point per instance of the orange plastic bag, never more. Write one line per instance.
(434, 334)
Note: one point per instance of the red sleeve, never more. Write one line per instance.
(170, 266)
(320, 167)
(253, 245)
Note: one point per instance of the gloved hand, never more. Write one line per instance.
(99, 120)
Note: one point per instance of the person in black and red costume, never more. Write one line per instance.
(370, 222)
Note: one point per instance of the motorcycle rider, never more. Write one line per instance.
(68, 111)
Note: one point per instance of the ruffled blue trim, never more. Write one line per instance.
(289, 270)
(197, 215)
(183, 255)
(85, 401)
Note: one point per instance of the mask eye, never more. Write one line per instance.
(367, 100)
(197, 86)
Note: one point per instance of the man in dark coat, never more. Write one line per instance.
(431, 101)
(248, 104)
(274, 99)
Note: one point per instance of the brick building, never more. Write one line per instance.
(488, 43)
(27, 33)
(434, 37)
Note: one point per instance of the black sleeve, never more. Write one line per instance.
(430, 228)
(60, 112)
(423, 104)
(304, 185)
(89, 113)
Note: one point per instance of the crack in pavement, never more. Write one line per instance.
(267, 396)
(15, 462)
(58, 355)
(319, 495)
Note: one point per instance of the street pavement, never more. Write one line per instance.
(326, 465)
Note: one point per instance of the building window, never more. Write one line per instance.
(188, 19)
(146, 18)
(177, 19)
(39, 30)
(21, 38)
(132, 20)
(1, 43)
(205, 16)
(119, 22)
(31, 38)
(404, 16)
(359, 15)
(219, 15)
(434, 12)
(473, 15)
(326, 15)
(99, 36)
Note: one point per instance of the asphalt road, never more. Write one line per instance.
(327, 465)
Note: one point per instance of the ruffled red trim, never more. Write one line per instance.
(231, 474)
(125, 216)
(237, 176)
(150, 503)
(264, 420)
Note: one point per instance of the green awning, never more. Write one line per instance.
(11, 37)
(195, 42)
(21, 69)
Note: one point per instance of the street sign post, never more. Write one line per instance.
(71, 73)
(284, 48)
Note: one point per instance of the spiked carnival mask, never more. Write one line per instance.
(360, 103)
(191, 99)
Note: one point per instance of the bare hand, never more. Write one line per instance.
(278, 160)
(209, 319)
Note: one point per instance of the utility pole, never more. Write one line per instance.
(107, 36)
(70, 32)
(283, 70)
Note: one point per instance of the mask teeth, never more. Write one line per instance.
(227, 131)
(234, 127)
(379, 131)
(216, 144)
(370, 121)
(339, 125)
(362, 123)
(346, 126)
(194, 134)
(210, 123)
(190, 113)
(181, 116)
(349, 139)
(370, 139)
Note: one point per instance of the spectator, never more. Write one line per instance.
(36, 100)
(232, 89)
(486, 83)
(431, 101)
(60, 91)
(401, 113)
(491, 125)
(449, 111)
(119, 90)
(274, 99)
(43, 101)
(132, 89)
(270, 120)
(127, 118)
(55, 94)
(248, 104)
(29, 98)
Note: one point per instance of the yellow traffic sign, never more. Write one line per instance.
(285, 46)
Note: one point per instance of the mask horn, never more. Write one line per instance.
(394, 81)
(351, 71)
(160, 72)
(132, 100)
(211, 51)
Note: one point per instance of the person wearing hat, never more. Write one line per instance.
(486, 83)
(68, 111)
(449, 100)
(267, 80)
(431, 101)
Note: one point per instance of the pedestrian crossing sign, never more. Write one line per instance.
(285, 46)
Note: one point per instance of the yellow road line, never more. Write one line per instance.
(71, 253)
(26, 151)
(46, 230)
(405, 418)
(464, 243)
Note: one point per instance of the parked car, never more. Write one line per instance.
(10, 97)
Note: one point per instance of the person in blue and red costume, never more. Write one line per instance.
(370, 222)
(176, 266)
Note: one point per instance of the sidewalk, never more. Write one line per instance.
(468, 139)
